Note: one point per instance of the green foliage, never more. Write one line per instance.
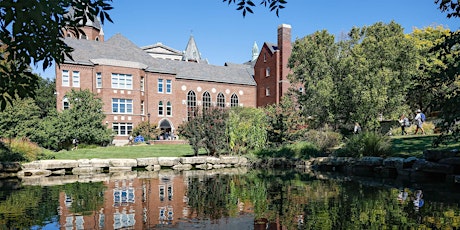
(366, 144)
(19, 119)
(246, 129)
(44, 96)
(87, 198)
(300, 150)
(31, 32)
(19, 149)
(354, 80)
(143, 130)
(207, 130)
(324, 140)
(285, 122)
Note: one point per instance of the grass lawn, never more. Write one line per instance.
(403, 146)
(136, 151)
(414, 145)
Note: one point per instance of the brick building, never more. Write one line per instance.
(162, 85)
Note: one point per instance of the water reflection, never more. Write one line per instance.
(225, 199)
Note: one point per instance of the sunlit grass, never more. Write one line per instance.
(414, 145)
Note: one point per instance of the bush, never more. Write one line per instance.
(20, 149)
(366, 144)
(324, 140)
(300, 150)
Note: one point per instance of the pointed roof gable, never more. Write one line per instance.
(191, 52)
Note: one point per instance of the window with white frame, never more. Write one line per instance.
(142, 107)
(267, 72)
(122, 129)
(206, 100)
(120, 105)
(122, 81)
(234, 101)
(142, 84)
(168, 109)
(267, 91)
(98, 80)
(65, 78)
(65, 103)
(168, 86)
(160, 86)
(220, 100)
(160, 109)
(191, 105)
(76, 78)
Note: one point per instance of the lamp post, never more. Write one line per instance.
(148, 129)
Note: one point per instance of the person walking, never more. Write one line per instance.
(404, 122)
(419, 119)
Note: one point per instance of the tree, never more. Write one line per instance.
(145, 130)
(31, 32)
(19, 119)
(247, 5)
(358, 79)
(247, 129)
(45, 96)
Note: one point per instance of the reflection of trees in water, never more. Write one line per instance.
(28, 206)
(86, 197)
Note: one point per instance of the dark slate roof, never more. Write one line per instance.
(120, 50)
(273, 47)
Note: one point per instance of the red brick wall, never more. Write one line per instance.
(266, 59)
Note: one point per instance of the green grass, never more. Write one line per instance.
(403, 146)
(136, 151)
(414, 145)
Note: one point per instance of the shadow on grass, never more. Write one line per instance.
(414, 145)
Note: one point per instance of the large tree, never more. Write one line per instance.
(31, 33)
(359, 79)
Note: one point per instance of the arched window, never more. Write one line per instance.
(168, 109)
(160, 109)
(234, 101)
(65, 103)
(191, 105)
(220, 100)
(206, 100)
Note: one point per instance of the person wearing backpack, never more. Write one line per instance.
(404, 122)
(419, 119)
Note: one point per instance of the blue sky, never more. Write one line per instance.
(223, 35)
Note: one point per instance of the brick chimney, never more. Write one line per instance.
(285, 49)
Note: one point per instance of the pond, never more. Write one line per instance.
(226, 199)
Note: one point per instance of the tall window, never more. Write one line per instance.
(206, 100)
(65, 103)
(98, 80)
(123, 129)
(267, 72)
(160, 85)
(142, 107)
(168, 109)
(191, 105)
(76, 78)
(168, 86)
(220, 100)
(267, 91)
(65, 78)
(122, 81)
(234, 101)
(120, 105)
(142, 84)
(160, 109)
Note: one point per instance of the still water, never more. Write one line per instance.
(225, 199)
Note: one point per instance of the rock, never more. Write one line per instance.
(147, 161)
(123, 163)
(229, 160)
(436, 155)
(213, 160)
(432, 167)
(394, 162)
(193, 160)
(86, 170)
(100, 163)
(11, 167)
(168, 161)
(119, 169)
(58, 164)
(182, 167)
(370, 161)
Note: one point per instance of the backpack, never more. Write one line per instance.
(422, 116)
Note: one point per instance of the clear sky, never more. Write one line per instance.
(223, 35)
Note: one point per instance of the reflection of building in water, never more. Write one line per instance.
(131, 204)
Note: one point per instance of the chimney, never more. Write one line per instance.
(285, 48)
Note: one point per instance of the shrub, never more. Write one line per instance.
(20, 149)
(366, 144)
(324, 140)
(300, 150)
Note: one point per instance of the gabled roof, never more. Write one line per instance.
(271, 46)
(191, 52)
(161, 49)
(120, 51)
